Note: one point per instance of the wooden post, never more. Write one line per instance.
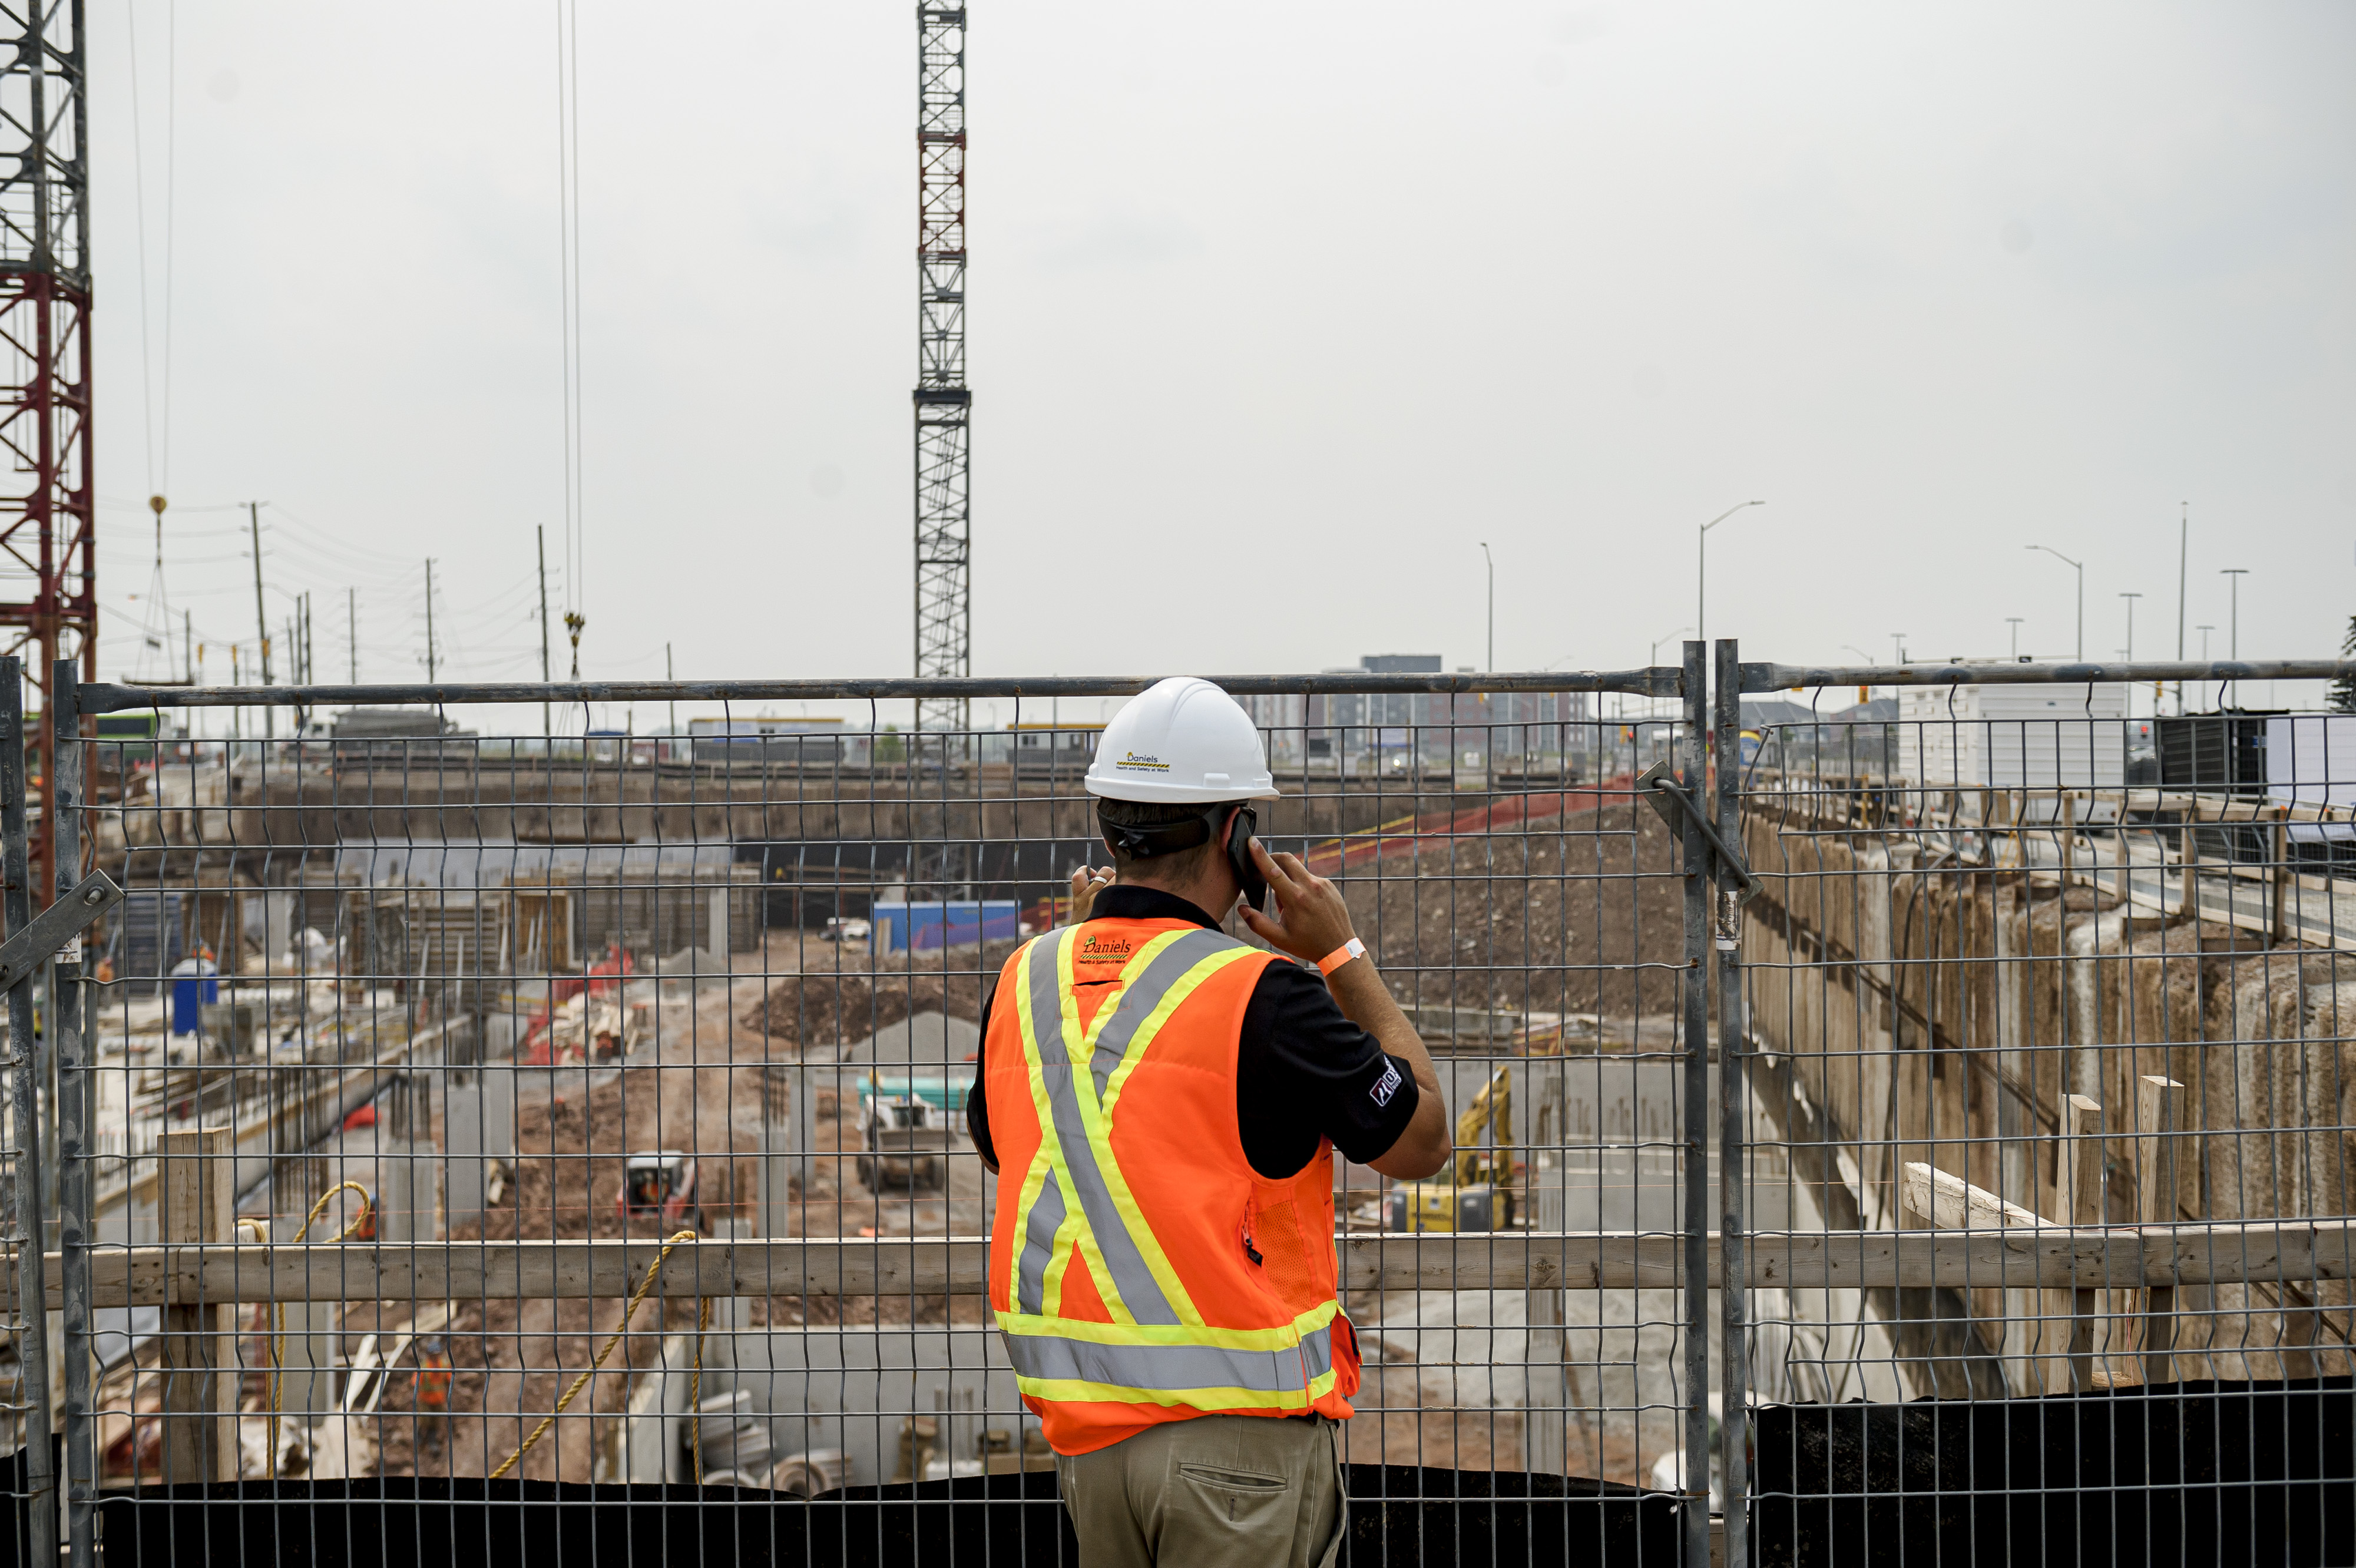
(2079, 1196)
(2188, 856)
(2301, 1319)
(199, 1342)
(2158, 1102)
(2277, 921)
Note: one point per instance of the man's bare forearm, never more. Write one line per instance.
(1366, 1001)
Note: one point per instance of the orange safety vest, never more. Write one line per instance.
(1140, 1270)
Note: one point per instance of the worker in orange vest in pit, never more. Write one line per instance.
(1161, 1102)
(432, 1377)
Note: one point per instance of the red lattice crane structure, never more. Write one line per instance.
(48, 564)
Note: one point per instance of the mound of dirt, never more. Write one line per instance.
(838, 1008)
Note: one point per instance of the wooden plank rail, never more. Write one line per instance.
(2054, 1256)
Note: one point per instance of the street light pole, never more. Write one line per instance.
(2233, 643)
(1701, 570)
(1493, 605)
(2014, 621)
(2131, 598)
(1864, 694)
(1898, 648)
(2079, 567)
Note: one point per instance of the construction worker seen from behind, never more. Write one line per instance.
(1162, 1101)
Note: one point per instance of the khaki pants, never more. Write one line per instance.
(1252, 1490)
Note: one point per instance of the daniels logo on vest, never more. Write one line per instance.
(1142, 764)
(1096, 946)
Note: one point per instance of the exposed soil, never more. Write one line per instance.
(839, 1008)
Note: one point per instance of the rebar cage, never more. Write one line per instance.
(470, 1138)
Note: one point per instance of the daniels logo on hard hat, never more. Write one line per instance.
(1145, 764)
(1105, 947)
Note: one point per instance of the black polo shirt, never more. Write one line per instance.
(1303, 1071)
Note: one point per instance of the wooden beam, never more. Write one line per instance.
(200, 1335)
(2079, 1167)
(2048, 1256)
(1951, 1203)
(2159, 1106)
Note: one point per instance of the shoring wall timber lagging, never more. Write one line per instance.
(1856, 946)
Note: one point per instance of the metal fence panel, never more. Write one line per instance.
(2047, 989)
(587, 1111)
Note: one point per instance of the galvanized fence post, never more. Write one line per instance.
(1695, 1166)
(1734, 1105)
(69, 1023)
(40, 1500)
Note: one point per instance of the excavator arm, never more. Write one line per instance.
(1492, 1108)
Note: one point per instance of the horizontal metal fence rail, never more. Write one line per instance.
(588, 1108)
(2115, 1257)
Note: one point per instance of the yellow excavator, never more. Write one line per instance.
(1476, 1193)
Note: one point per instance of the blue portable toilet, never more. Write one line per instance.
(195, 983)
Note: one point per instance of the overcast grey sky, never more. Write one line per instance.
(1276, 313)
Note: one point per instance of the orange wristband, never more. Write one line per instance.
(1333, 960)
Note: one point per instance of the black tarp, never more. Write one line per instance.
(2186, 1473)
(1399, 1516)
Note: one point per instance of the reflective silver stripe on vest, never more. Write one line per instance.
(1140, 1292)
(1145, 994)
(1171, 1369)
(1039, 1247)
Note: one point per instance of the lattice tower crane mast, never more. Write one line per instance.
(943, 403)
(48, 564)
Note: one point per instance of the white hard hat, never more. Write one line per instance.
(1184, 741)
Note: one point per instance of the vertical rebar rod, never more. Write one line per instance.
(24, 1092)
(70, 1026)
(1734, 1105)
(1695, 1527)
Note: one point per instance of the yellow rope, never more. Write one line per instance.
(262, 1234)
(277, 1338)
(703, 1319)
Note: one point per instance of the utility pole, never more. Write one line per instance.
(2014, 622)
(2131, 598)
(352, 625)
(943, 401)
(2233, 641)
(547, 725)
(261, 619)
(671, 675)
(429, 620)
(1492, 563)
(2183, 566)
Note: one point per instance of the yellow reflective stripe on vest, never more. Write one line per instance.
(1073, 1081)
(1201, 1377)
(1281, 1337)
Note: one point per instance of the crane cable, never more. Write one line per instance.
(695, 1378)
